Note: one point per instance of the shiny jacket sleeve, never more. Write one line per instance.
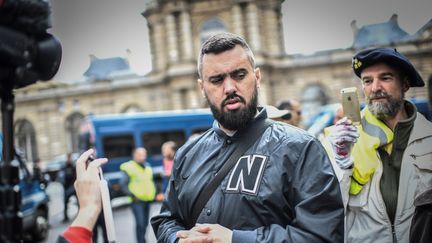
(316, 202)
(169, 220)
(167, 223)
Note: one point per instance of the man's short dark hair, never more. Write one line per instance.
(285, 105)
(223, 42)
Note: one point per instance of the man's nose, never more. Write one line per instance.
(229, 85)
(376, 85)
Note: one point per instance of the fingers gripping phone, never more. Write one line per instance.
(351, 104)
(106, 205)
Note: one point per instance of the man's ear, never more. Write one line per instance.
(257, 74)
(201, 86)
(405, 85)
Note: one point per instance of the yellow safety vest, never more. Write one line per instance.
(141, 183)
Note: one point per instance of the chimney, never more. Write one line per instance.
(128, 55)
(92, 57)
(394, 18)
(354, 27)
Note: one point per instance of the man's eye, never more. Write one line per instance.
(216, 80)
(239, 75)
(367, 81)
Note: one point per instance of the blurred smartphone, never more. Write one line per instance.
(351, 104)
(107, 210)
(106, 204)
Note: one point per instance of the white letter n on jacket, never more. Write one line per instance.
(247, 174)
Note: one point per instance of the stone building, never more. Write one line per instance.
(48, 114)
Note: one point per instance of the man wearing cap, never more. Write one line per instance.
(388, 163)
(278, 115)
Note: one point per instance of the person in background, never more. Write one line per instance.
(69, 176)
(140, 188)
(422, 220)
(278, 115)
(294, 107)
(168, 150)
(100, 227)
(385, 164)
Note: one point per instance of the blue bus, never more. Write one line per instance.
(115, 136)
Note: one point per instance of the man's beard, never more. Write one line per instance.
(235, 119)
(386, 109)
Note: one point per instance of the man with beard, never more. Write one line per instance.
(282, 189)
(385, 163)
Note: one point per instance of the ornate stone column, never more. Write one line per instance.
(159, 44)
(237, 19)
(186, 29)
(173, 54)
(272, 31)
(252, 25)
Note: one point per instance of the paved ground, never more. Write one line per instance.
(123, 218)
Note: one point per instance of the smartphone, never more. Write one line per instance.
(107, 210)
(106, 204)
(351, 104)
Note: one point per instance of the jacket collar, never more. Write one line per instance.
(422, 129)
(261, 115)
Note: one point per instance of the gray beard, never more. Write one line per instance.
(384, 110)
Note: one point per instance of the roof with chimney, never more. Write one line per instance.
(106, 68)
(425, 31)
(379, 34)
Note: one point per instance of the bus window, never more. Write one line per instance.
(118, 146)
(153, 141)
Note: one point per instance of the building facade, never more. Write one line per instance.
(48, 115)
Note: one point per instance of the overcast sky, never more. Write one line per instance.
(107, 28)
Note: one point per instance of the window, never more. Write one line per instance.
(73, 124)
(25, 139)
(118, 146)
(211, 27)
(153, 141)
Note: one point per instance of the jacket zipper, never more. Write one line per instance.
(381, 200)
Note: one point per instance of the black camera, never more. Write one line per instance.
(27, 52)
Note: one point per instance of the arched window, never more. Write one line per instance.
(313, 98)
(25, 139)
(132, 109)
(211, 27)
(73, 124)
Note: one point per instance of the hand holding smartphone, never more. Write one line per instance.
(351, 104)
(106, 204)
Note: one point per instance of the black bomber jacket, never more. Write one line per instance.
(282, 190)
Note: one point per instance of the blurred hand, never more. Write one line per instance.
(206, 233)
(87, 187)
(342, 136)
